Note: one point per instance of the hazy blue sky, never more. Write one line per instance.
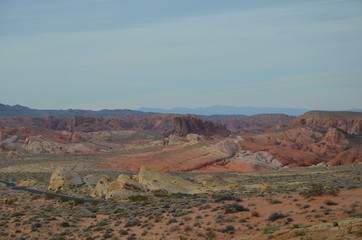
(98, 54)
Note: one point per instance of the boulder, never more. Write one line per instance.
(127, 182)
(156, 180)
(194, 138)
(92, 179)
(101, 189)
(63, 178)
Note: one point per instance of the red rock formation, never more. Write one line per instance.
(305, 146)
(155, 122)
(349, 122)
(256, 122)
(187, 124)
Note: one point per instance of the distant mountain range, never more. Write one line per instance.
(208, 113)
(227, 110)
(18, 110)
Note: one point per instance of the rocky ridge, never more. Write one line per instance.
(349, 122)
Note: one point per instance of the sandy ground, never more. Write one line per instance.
(190, 217)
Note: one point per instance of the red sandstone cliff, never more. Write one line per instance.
(256, 122)
(187, 124)
(349, 122)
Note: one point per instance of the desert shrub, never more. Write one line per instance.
(275, 216)
(255, 214)
(234, 208)
(78, 201)
(210, 235)
(10, 201)
(355, 215)
(318, 189)
(228, 229)
(63, 199)
(138, 198)
(160, 193)
(296, 225)
(187, 228)
(275, 201)
(226, 197)
(270, 229)
(359, 232)
(332, 190)
(330, 202)
(49, 196)
(300, 233)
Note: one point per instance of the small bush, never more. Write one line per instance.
(300, 233)
(330, 202)
(359, 232)
(275, 201)
(226, 197)
(234, 208)
(255, 214)
(318, 189)
(228, 229)
(49, 196)
(275, 216)
(270, 229)
(10, 201)
(210, 235)
(138, 198)
(332, 190)
(78, 201)
(63, 199)
(160, 193)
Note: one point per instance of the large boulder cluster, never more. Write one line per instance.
(147, 181)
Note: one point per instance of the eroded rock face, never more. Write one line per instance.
(349, 122)
(187, 124)
(248, 161)
(334, 139)
(124, 187)
(305, 146)
(62, 179)
(157, 180)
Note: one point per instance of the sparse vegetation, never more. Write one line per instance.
(138, 198)
(270, 229)
(318, 189)
(275, 216)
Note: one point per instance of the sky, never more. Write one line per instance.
(115, 54)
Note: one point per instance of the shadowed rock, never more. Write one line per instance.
(62, 179)
(187, 124)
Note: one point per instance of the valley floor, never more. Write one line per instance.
(261, 205)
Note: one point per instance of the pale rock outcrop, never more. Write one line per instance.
(127, 182)
(194, 138)
(157, 180)
(226, 148)
(92, 179)
(124, 187)
(173, 139)
(62, 179)
(261, 160)
(101, 189)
